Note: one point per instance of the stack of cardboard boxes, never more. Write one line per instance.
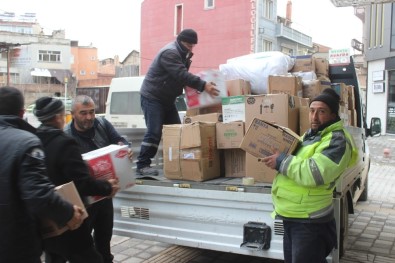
(235, 130)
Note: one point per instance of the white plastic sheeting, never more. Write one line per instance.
(256, 68)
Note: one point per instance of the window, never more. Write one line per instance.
(178, 19)
(267, 45)
(92, 73)
(267, 9)
(3, 55)
(82, 72)
(49, 56)
(287, 51)
(209, 4)
(126, 103)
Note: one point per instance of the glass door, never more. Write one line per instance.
(391, 103)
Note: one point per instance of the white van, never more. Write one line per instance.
(123, 107)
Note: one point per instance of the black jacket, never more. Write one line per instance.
(168, 75)
(26, 194)
(65, 164)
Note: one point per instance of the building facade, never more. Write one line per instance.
(379, 50)
(226, 29)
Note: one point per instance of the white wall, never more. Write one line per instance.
(377, 102)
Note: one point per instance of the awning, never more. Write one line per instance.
(59, 74)
(40, 72)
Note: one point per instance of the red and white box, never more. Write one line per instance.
(196, 99)
(110, 162)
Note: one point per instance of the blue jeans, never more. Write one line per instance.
(308, 242)
(156, 115)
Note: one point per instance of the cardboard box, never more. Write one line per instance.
(345, 115)
(304, 116)
(171, 135)
(210, 117)
(108, 163)
(229, 135)
(204, 110)
(258, 170)
(69, 193)
(190, 151)
(351, 97)
(235, 163)
(312, 88)
(234, 108)
(291, 85)
(321, 66)
(354, 118)
(303, 63)
(263, 139)
(198, 100)
(282, 109)
(238, 87)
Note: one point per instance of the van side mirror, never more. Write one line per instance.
(375, 127)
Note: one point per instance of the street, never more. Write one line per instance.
(371, 234)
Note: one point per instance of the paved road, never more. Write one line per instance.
(371, 235)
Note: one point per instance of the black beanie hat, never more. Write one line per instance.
(188, 35)
(330, 98)
(47, 107)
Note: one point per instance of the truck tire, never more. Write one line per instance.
(343, 226)
(364, 196)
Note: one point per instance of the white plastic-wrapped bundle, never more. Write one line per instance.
(256, 68)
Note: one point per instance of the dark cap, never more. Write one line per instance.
(188, 35)
(47, 107)
(330, 98)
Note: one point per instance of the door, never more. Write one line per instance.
(391, 103)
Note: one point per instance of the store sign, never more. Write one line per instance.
(378, 75)
(378, 87)
(339, 56)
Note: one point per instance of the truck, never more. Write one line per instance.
(226, 215)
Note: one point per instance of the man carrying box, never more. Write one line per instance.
(165, 80)
(91, 134)
(26, 194)
(303, 188)
(65, 164)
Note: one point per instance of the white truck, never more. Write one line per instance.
(225, 215)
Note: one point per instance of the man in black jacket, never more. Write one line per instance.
(164, 82)
(93, 133)
(26, 194)
(65, 164)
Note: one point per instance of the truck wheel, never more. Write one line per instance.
(364, 195)
(343, 226)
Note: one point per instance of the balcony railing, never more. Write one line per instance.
(294, 35)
